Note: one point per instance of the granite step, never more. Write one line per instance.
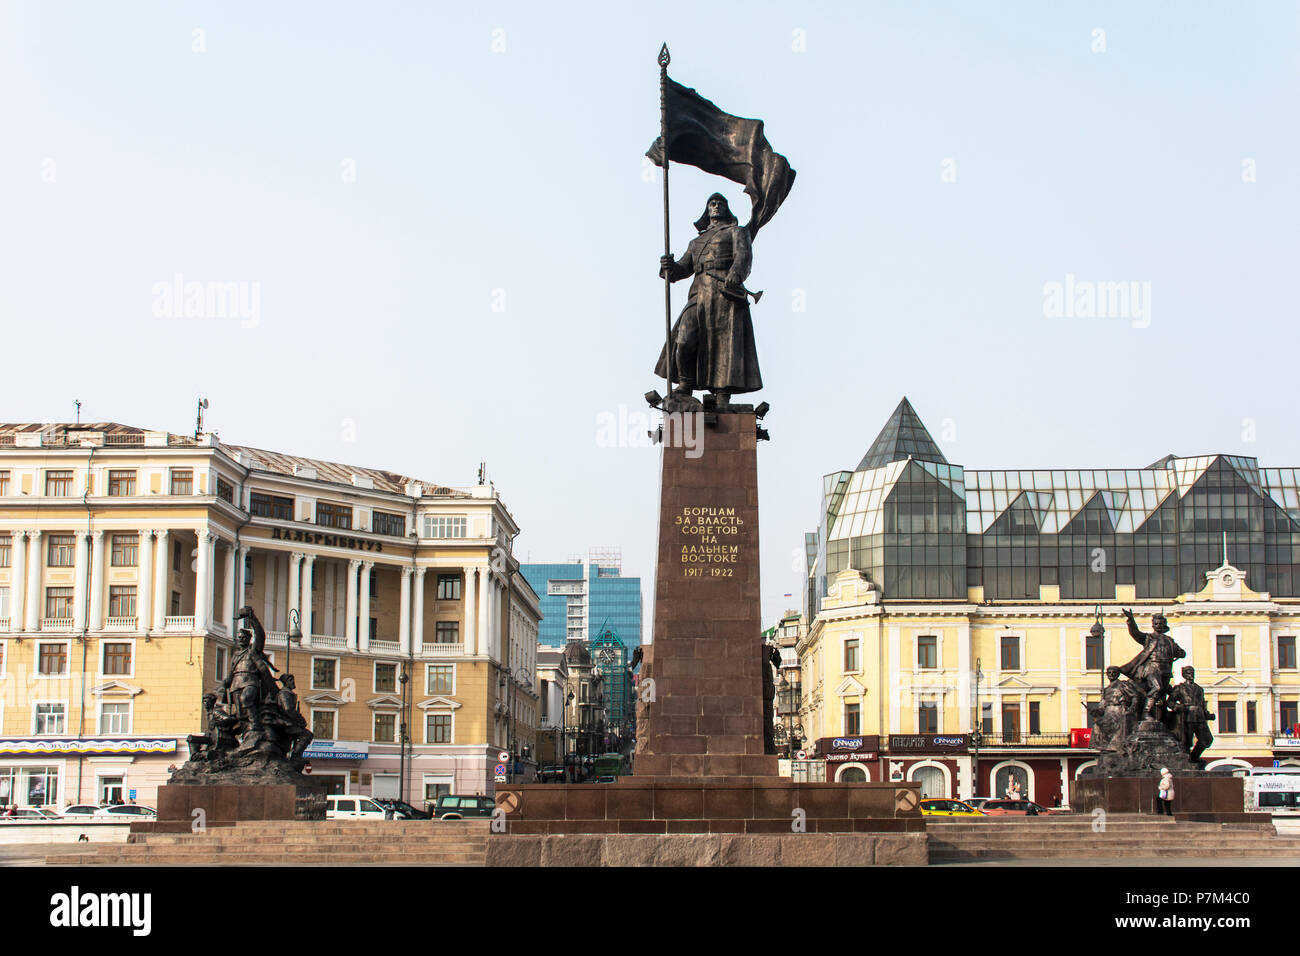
(1106, 853)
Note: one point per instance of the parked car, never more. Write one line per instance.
(82, 809)
(344, 806)
(978, 802)
(401, 809)
(948, 808)
(453, 807)
(551, 773)
(606, 779)
(34, 814)
(129, 811)
(1014, 808)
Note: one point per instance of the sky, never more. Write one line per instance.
(447, 237)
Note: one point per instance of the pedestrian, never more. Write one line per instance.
(1165, 794)
(1013, 789)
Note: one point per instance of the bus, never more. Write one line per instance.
(1273, 790)
(609, 765)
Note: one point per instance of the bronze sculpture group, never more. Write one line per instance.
(254, 716)
(1146, 701)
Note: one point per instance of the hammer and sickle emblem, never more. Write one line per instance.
(905, 800)
(508, 800)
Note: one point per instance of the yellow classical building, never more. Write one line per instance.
(944, 601)
(125, 554)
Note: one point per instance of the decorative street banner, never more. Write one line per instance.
(928, 743)
(47, 746)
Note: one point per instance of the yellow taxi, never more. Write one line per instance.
(948, 808)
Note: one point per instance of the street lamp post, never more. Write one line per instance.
(978, 735)
(402, 735)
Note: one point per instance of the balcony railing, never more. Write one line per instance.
(1011, 738)
(56, 624)
(178, 623)
(386, 647)
(120, 624)
(442, 650)
(4, 623)
(328, 640)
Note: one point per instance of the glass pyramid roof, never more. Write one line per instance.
(902, 437)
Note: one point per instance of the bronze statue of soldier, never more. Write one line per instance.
(289, 723)
(251, 680)
(1190, 714)
(713, 340)
(1153, 667)
(220, 735)
(1120, 703)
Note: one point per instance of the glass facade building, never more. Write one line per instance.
(924, 529)
(582, 599)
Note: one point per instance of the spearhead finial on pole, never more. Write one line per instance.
(664, 58)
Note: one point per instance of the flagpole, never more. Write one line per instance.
(668, 279)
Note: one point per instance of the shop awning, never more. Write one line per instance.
(337, 750)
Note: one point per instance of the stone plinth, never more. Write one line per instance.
(1198, 796)
(789, 849)
(709, 805)
(705, 715)
(224, 805)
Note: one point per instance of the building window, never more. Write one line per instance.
(1225, 651)
(114, 718)
(121, 484)
(444, 526)
(58, 484)
(927, 719)
(125, 550)
(221, 664)
(333, 516)
(225, 490)
(1286, 653)
(49, 719)
(1227, 716)
(381, 522)
(121, 600)
(852, 720)
(182, 481)
(437, 729)
(851, 655)
(1252, 721)
(927, 652)
(4, 482)
(1011, 723)
(385, 678)
(446, 632)
(61, 552)
(441, 679)
(53, 659)
(986, 719)
(1287, 715)
(1092, 651)
(6, 550)
(270, 506)
(434, 787)
(58, 603)
(449, 590)
(1010, 644)
(322, 724)
(385, 728)
(176, 556)
(176, 604)
(1035, 722)
(324, 673)
(117, 659)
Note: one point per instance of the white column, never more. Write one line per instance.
(363, 618)
(241, 563)
(294, 593)
(35, 562)
(80, 557)
(203, 581)
(228, 589)
(418, 636)
(404, 616)
(309, 561)
(144, 591)
(162, 583)
(350, 604)
(97, 577)
(484, 587)
(18, 589)
(470, 635)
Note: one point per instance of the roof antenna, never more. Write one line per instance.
(77, 402)
(1225, 549)
(482, 473)
(198, 425)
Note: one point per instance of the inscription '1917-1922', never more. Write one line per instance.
(710, 541)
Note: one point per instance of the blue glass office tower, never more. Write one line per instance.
(581, 599)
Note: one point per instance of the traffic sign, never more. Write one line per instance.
(306, 768)
(801, 755)
(499, 770)
(501, 778)
(503, 756)
(1276, 763)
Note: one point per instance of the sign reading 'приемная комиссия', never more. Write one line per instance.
(710, 545)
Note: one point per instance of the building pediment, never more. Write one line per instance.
(115, 688)
(1229, 683)
(433, 703)
(1014, 683)
(325, 699)
(850, 587)
(1225, 583)
(850, 687)
(385, 701)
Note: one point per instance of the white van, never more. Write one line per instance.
(344, 806)
(1274, 790)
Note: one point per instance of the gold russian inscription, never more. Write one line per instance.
(709, 537)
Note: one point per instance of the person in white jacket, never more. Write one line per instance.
(1165, 793)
